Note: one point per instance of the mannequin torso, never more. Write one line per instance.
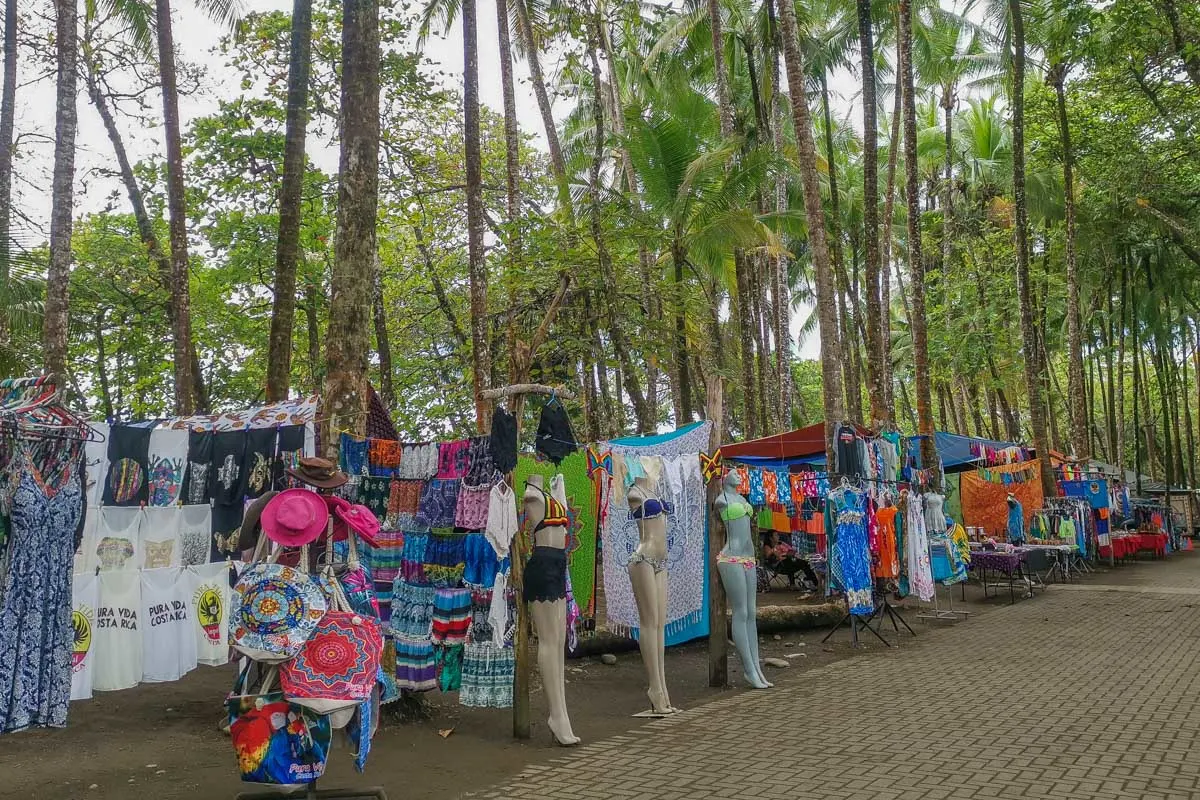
(739, 540)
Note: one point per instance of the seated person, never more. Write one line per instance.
(781, 557)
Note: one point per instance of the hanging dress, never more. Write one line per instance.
(36, 636)
(852, 550)
(916, 543)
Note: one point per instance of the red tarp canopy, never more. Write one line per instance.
(799, 443)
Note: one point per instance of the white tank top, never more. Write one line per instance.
(118, 636)
(168, 637)
(118, 538)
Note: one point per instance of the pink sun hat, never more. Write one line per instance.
(352, 517)
(295, 517)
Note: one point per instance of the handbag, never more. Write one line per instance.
(276, 742)
(274, 608)
(335, 669)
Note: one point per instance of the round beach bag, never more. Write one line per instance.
(273, 611)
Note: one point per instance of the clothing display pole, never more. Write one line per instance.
(521, 679)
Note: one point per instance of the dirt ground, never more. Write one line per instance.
(162, 742)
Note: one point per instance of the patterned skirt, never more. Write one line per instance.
(416, 665)
(487, 676)
(451, 616)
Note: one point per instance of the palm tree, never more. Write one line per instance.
(831, 388)
(8, 105)
(62, 192)
(348, 339)
(918, 321)
(881, 413)
(287, 248)
(476, 266)
(1062, 28)
(1029, 337)
(949, 49)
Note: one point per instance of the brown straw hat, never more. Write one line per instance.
(319, 472)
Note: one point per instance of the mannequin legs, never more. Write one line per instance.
(741, 589)
(651, 604)
(550, 620)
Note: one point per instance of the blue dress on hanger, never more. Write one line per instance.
(36, 636)
(853, 553)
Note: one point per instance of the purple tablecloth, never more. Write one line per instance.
(1007, 563)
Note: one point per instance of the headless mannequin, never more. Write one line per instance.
(648, 574)
(550, 618)
(739, 576)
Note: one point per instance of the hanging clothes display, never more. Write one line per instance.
(916, 544)
(195, 532)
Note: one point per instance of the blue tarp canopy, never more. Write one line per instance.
(955, 450)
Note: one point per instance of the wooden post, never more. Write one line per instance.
(718, 634)
(522, 667)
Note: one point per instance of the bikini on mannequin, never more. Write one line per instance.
(648, 574)
(739, 576)
(545, 591)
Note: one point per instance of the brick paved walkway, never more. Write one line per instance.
(1086, 692)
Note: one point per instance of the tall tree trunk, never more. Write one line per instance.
(347, 340)
(650, 298)
(312, 319)
(287, 249)
(916, 262)
(780, 289)
(1121, 443)
(181, 338)
(993, 414)
(948, 101)
(141, 216)
(533, 59)
(57, 307)
(616, 330)
(1079, 436)
(1187, 407)
(8, 106)
(746, 346)
(1111, 389)
(877, 371)
(683, 411)
(850, 374)
(512, 177)
(831, 388)
(476, 263)
(383, 342)
(885, 246)
(106, 405)
(1037, 413)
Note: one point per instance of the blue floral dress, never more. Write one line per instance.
(35, 610)
(853, 554)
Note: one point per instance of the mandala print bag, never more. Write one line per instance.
(336, 668)
(358, 584)
(274, 608)
(276, 742)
